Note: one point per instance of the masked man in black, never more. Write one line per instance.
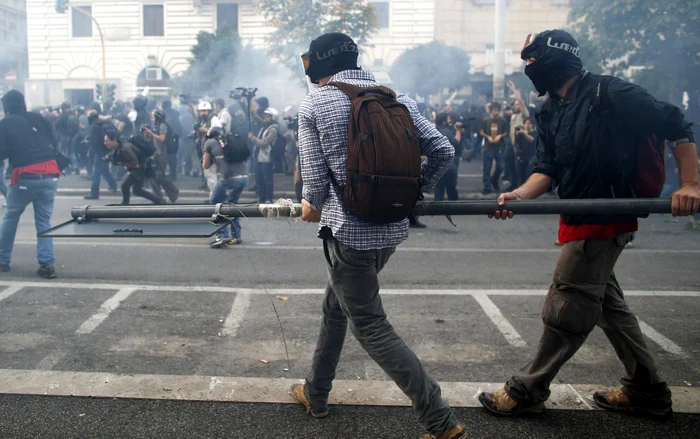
(584, 161)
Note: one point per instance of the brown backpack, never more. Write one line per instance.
(384, 159)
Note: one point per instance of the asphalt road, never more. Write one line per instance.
(167, 335)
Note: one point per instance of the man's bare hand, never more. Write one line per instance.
(685, 201)
(505, 214)
(308, 213)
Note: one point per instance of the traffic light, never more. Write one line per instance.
(111, 92)
(61, 6)
(98, 92)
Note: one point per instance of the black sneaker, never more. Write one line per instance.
(4, 268)
(47, 272)
(90, 197)
(299, 393)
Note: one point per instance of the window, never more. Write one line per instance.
(227, 16)
(381, 10)
(82, 24)
(153, 22)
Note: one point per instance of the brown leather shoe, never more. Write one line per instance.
(459, 431)
(502, 404)
(619, 401)
(298, 393)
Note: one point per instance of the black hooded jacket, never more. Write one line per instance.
(565, 143)
(25, 137)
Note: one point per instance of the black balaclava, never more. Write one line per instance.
(13, 102)
(329, 54)
(557, 59)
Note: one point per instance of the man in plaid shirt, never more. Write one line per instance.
(357, 250)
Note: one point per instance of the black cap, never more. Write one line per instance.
(329, 54)
(558, 39)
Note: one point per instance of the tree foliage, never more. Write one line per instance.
(663, 36)
(220, 62)
(298, 22)
(428, 68)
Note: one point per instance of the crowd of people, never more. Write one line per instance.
(362, 205)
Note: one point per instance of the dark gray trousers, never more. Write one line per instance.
(352, 295)
(585, 293)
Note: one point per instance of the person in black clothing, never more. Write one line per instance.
(158, 135)
(124, 153)
(97, 146)
(448, 181)
(142, 117)
(125, 129)
(26, 140)
(173, 118)
(67, 128)
(585, 162)
(525, 145)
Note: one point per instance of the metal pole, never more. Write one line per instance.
(102, 40)
(481, 207)
(499, 51)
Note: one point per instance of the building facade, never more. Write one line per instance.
(13, 44)
(147, 42)
(470, 25)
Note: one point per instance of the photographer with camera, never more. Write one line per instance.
(205, 120)
(135, 159)
(227, 152)
(162, 138)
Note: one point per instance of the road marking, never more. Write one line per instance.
(105, 310)
(201, 245)
(51, 360)
(276, 390)
(235, 317)
(501, 322)
(580, 398)
(666, 344)
(10, 290)
(466, 291)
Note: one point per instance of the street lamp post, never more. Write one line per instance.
(499, 51)
(102, 40)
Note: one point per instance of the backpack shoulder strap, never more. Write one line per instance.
(354, 91)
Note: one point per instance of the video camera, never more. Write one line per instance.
(292, 123)
(242, 93)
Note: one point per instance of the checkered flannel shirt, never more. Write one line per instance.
(323, 133)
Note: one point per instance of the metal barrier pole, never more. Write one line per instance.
(425, 208)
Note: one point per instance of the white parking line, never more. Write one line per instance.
(276, 390)
(663, 341)
(10, 290)
(465, 291)
(501, 322)
(237, 314)
(105, 310)
(51, 360)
